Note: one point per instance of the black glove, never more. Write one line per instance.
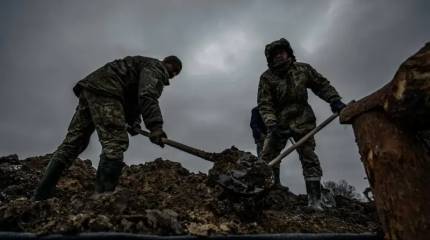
(274, 131)
(278, 133)
(156, 136)
(134, 129)
(337, 106)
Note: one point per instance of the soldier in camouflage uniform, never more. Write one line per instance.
(283, 105)
(118, 94)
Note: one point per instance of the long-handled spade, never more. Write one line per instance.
(248, 175)
(224, 176)
(297, 144)
(253, 176)
(188, 149)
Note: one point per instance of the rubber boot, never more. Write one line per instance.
(100, 188)
(108, 173)
(113, 172)
(313, 189)
(52, 174)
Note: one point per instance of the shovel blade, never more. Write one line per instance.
(245, 176)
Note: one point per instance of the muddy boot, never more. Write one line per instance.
(313, 189)
(52, 174)
(277, 180)
(108, 174)
(113, 172)
(100, 188)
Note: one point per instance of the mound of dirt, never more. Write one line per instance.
(161, 197)
(240, 172)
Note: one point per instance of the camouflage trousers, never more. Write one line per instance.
(309, 160)
(100, 113)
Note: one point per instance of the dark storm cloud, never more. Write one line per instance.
(46, 46)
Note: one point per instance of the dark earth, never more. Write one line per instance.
(161, 197)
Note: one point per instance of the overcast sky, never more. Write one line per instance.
(47, 46)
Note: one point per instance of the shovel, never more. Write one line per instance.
(297, 144)
(191, 150)
(225, 177)
(256, 177)
(250, 176)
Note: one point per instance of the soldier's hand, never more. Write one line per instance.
(274, 131)
(156, 136)
(134, 129)
(277, 133)
(286, 133)
(337, 106)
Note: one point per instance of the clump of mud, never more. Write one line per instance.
(161, 197)
(240, 172)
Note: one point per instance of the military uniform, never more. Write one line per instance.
(283, 101)
(135, 81)
(119, 93)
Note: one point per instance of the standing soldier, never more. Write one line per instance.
(259, 130)
(117, 94)
(283, 104)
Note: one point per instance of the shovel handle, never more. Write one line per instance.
(310, 134)
(191, 150)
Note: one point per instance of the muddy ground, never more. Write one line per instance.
(161, 197)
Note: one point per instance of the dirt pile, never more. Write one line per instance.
(240, 172)
(161, 197)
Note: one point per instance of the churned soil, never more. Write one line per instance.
(162, 197)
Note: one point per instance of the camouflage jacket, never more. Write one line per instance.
(137, 81)
(283, 98)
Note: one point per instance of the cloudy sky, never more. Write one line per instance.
(47, 46)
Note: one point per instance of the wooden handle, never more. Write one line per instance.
(279, 158)
(191, 150)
